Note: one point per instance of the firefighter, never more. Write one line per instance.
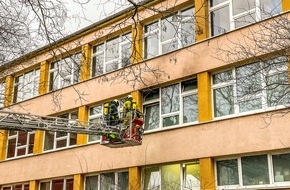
(129, 106)
(111, 116)
(111, 112)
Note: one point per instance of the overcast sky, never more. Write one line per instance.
(86, 12)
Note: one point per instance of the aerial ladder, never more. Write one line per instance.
(123, 135)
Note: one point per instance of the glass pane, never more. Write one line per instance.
(192, 176)
(12, 132)
(96, 110)
(169, 46)
(21, 152)
(151, 95)
(151, 27)
(123, 181)
(98, 48)
(250, 105)
(270, 8)
(220, 21)
(11, 148)
(45, 186)
(227, 172)
(73, 139)
(170, 121)
(222, 77)
(92, 183)
(255, 170)
(170, 176)
(26, 187)
(17, 187)
(126, 54)
(281, 165)
(190, 108)
(249, 80)
(22, 138)
(57, 184)
(151, 117)
(152, 178)
(107, 181)
(61, 134)
(278, 89)
(112, 66)
(216, 2)
(169, 27)
(2, 90)
(189, 85)
(61, 143)
(112, 49)
(170, 99)
(187, 32)
(69, 184)
(151, 46)
(48, 140)
(31, 143)
(223, 101)
(98, 65)
(242, 6)
(244, 20)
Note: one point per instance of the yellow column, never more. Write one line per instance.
(207, 178)
(78, 182)
(134, 178)
(137, 96)
(86, 62)
(137, 43)
(8, 90)
(43, 88)
(7, 101)
(204, 97)
(285, 5)
(3, 143)
(83, 117)
(202, 24)
(33, 185)
(43, 78)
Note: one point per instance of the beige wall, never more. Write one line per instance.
(235, 136)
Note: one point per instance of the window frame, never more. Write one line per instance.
(262, 94)
(12, 187)
(50, 182)
(182, 172)
(19, 94)
(179, 113)
(29, 135)
(66, 137)
(177, 38)
(91, 117)
(2, 93)
(55, 72)
(232, 17)
(270, 165)
(116, 180)
(123, 40)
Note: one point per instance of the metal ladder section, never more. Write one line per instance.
(27, 122)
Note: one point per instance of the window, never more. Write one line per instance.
(170, 106)
(56, 140)
(2, 94)
(64, 72)
(254, 171)
(111, 55)
(95, 116)
(26, 86)
(169, 33)
(57, 184)
(16, 187)
(108, 181)
(173, 176)
(227, 15)
(251, 87)
(19, 143)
